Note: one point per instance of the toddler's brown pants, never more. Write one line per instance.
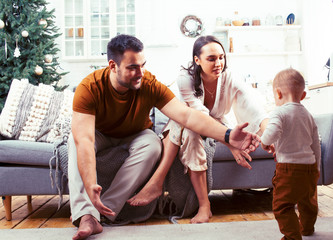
(295, 184)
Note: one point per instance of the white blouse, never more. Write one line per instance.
(230, 94)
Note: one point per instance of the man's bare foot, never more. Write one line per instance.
(88, 226)
(203, 215)
(147, 194)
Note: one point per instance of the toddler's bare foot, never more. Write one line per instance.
(147, 194)
(203, 215)
(88, 226)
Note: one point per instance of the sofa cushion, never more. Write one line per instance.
(26, 153)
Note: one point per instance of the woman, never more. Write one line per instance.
(207, 86)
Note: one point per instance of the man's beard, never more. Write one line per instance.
(129, 84)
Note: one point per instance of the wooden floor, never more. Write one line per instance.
(226, 205)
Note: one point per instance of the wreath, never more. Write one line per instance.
(191, 26)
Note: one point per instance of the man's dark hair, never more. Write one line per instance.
(119, 44)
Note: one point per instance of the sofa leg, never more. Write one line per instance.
(7, 202)
(29, 199)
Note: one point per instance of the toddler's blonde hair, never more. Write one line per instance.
(290, 81)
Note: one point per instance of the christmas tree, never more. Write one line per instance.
(27, 45)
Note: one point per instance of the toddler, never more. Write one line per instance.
(292, 135)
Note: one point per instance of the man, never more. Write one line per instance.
(111, 108)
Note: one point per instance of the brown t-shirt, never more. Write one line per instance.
(119, 115)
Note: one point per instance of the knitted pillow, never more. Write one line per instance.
(36, 113)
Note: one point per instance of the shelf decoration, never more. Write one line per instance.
(291, 18)
(191, 26)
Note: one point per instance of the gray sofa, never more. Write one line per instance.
(24, 166)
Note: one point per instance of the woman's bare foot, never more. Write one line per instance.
(203, 215)
(88, 226)
(147, 194)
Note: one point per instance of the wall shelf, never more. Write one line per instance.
(244, 54)
(261, 40)
(257, 28)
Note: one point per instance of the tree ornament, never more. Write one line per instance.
(17, 52)
(48, 58)
(25, 33)
(6, 54)
(2, 24)
(38, 70)
(43, 22)
(16, 10)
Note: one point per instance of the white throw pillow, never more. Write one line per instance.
(36, 113)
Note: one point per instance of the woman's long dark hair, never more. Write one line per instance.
(195, 70)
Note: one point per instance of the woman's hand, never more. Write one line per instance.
(244, 140)
(240, 157)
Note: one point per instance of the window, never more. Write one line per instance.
(90, 24)
(74, 30)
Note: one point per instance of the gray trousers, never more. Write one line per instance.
(144, 152)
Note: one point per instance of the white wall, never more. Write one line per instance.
(166, 48)
(318, 38)
(165, 18)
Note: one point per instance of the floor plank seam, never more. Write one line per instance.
(31, 213)
(62, 205)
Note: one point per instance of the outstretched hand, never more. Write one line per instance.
(243, 140)
(241, 157)
(269, 149)
(95, 197)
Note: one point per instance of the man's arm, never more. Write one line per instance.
(83, 129)
(207, 126)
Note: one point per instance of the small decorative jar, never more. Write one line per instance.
(256, 21)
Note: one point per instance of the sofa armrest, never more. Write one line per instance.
(325, 128)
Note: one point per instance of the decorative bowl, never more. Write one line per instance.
(238, 22)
